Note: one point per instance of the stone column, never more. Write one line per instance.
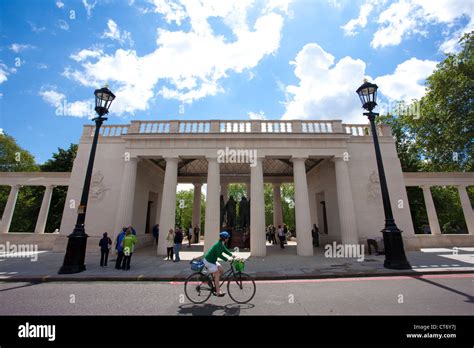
(168, 206)
(277, 209)
(466, 208)
(304, 238)
(9, 209)
(347, 217)
(159, 201)
(248, 190)
(258, 245)
(431, 210)
(197, 205)
(127, 196)
(212, 218)
(43, 214)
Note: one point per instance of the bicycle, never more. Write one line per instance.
(241, 287)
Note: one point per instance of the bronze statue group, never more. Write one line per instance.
(238, 225)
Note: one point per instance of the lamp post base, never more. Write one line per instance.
(75, 253)
(394, 252)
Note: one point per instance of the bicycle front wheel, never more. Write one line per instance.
(241, 288)
(198, 288)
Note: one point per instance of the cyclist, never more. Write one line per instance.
(210, 259)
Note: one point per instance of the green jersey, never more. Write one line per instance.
(216, 252)
(129, 242)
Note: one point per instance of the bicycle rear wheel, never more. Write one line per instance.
(198, 288)
(241, 288)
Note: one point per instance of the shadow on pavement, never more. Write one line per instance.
(20, 286)
(211, 309)
(470, 298)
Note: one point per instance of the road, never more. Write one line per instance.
(450, 294)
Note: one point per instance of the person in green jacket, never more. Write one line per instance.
(128, 243)
(210, 259)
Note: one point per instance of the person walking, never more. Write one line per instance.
(119, 248)
(156, 233)
(104, 244)
(128, 248)
(281, 236)
(285, 232)
(273, 234)
(169, 245)
(196, 234)
(178, 240)
(190, 235)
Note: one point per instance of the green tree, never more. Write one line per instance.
(445, 129)
(184, 209)
(288, 206)
(13, 158)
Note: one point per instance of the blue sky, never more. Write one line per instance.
(189, 59)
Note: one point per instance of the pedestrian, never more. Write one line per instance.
(273, 233)
(315, 235)
(104, 244)
(128, 248)
(119, 248)
(133, 230)
(196, 234)
(178, 240)
(190, 235)
(281, 236)
(378, 244)
(285, 232)
(169, 245)
(156, 233)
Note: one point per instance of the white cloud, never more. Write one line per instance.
(62, 24)
(41, 66)
(36, 29)
(171, 11)
(361, 21)
(188, 64)
(335, 3)
(409, 17)
(256, 115)
(451, 44)
(407, 81)
(17, 48)
(114, 33)
(59, 4)
(281, 5)
(89, 7)
(86, 53)
(326, 88)
(52, 97)
(82, 108)
(3, 73)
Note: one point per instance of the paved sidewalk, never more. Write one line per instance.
(278, 264)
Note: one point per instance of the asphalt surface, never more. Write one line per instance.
(449, 294)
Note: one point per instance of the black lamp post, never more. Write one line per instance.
(392, 236)
(77, 240)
